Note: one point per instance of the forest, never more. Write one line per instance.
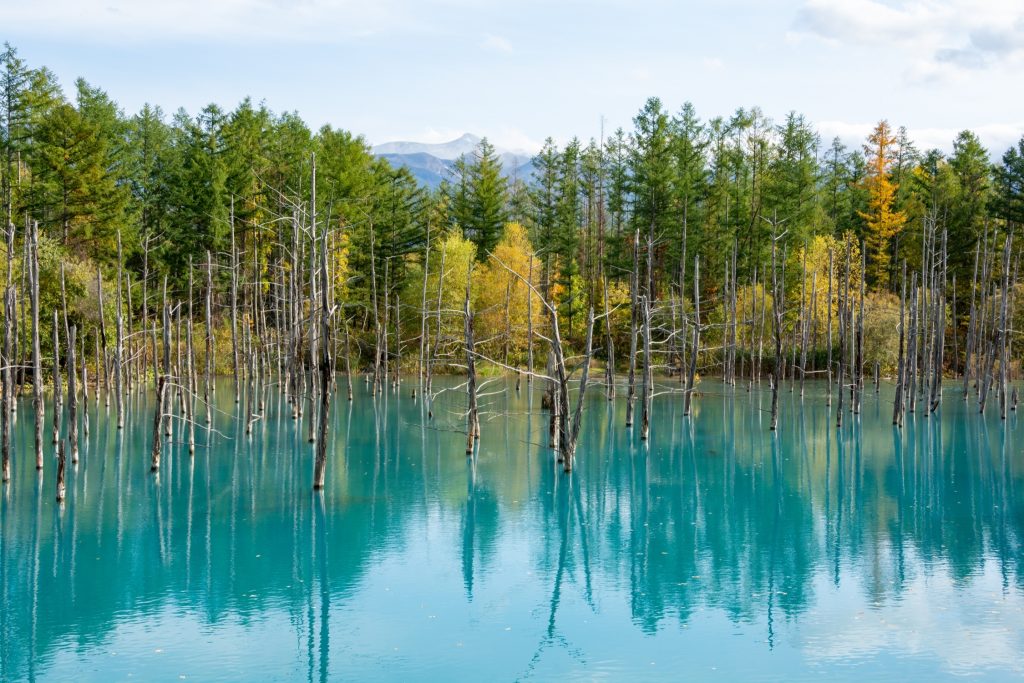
(683, 247)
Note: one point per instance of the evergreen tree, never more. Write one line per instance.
(968, 213)
(544, 197)
(201, 217)
(619, 201)
(488, 199)
(651, 175)
(15, 79)
(792, 177)
(1008, 199)
(149, 160)
(690, 178)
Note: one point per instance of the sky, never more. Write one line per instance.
(520, 71)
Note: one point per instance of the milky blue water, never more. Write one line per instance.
(717, 552)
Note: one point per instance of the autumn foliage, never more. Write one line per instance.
(881, 221)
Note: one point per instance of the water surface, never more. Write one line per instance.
(715, 552)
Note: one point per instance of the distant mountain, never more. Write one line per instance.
(448, 151)
(430, 163)
(426, 168)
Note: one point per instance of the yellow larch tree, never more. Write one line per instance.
(881, 220)
(501, 296)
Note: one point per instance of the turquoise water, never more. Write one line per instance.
(717, 553)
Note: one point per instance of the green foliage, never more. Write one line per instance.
(175, 187)
(480, 197)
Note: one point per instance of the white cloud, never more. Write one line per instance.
(712, 63)
(514, 140)
(132, 20)
(496, 43)
(929, 620)
(938, 39)
(997, 137)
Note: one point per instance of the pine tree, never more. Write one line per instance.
(651, 174)
(149, 159)
(793, 177)
(14, 119)
(690, 177)
(1008, 200)
(544, 195)
(488, 199)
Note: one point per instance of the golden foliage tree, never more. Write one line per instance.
(815, 286)
(501, 296)
(881, 220)
(456, 253)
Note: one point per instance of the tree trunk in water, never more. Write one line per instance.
(57, 389)
(609, 373)
(61, 467)
(691, 376)
(37, 355)
(72, 396)
(1003, 333)
(648, 380)
(161, 387)
(472, 417)
(209, 345)
(633, 307)
(326, 362)
(828, 325)
(119, 347)
(7, 383)
(970, 341)
(777, 331)
(234, 305)
(897, 408)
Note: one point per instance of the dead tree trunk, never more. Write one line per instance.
(828, 325)
(634, 284)
(119, 347)
(190, 382)
(207, 384)
(897, 408)
(72, 396)
(529, 326)
(472, 411)
(145, 312)
(57, 389)
(609, 373)
(61, 467)
(101, 367)
(571, 430)
(326, 362)
(423, 311)
(844, 305)
(234, 306)
(161, 387)
(971, 323)
(648, 380)
(348, 360)
(777, 331)
(37, 355)
(939, 327)
(692, 374)
(7, 388)
(1004, 359)
(85, 390)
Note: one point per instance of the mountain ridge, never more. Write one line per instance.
(432, 162)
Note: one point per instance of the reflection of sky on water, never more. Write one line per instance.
(717, 551)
